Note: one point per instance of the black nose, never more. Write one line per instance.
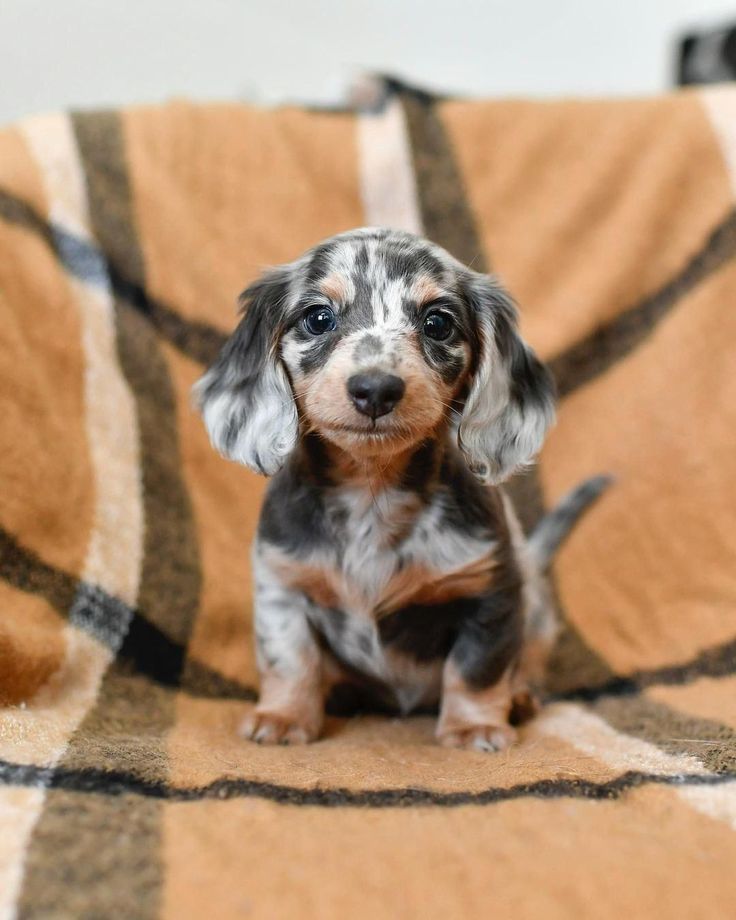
(375, 393)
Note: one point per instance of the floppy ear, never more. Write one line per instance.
(245, 397)
(510, 405)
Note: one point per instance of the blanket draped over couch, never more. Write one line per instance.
(126, 654)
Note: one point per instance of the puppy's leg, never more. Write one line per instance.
(472, 718)
(478, 677)
(291, 705)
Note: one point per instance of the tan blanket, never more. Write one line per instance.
(126, 656)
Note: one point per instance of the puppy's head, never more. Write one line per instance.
(374, 339)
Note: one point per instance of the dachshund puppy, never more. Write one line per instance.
(385, 388)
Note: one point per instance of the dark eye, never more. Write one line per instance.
(437, 325)
(319, 320)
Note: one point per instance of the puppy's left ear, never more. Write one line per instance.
(245, 397)
(510, 405)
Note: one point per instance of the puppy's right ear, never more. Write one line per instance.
(245, 397)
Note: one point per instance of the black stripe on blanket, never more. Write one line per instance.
(116, 783)
(716, 661)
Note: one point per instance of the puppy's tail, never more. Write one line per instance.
(552, 530)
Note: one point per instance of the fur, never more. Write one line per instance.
(387, 559)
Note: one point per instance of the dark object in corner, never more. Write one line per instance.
(708, 56)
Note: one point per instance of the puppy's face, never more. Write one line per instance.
(374, 338)
(378, 341)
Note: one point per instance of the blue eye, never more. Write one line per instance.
(437, 325)
(319, 320)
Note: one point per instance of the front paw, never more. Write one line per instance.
(478, 737)
(278, 728)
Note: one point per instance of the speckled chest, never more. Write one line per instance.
(388, 578)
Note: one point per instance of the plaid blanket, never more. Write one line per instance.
(126, 655)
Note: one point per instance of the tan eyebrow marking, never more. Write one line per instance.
(426, 289)
(334, 287)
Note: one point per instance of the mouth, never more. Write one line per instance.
(384, 428)
(371, 437)
(369, 431)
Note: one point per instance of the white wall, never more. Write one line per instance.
(81, 53)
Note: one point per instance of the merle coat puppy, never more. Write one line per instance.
(385, 388)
